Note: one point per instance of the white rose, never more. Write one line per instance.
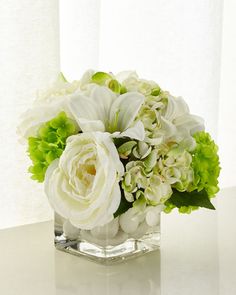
(83, 185)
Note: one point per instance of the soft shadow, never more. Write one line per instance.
(74, 275)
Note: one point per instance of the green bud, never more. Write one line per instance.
(156, 91)
(100, 78)
(126, 148)
(114, 85)
(123, 89)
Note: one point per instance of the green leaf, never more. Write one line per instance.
(194, 198)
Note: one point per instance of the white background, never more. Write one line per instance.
(176, 42)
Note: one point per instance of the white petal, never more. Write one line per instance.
(86, 78)
(176, 107)
(82, 106)
(153, 215)
(91, 125)
(135, 132)
(189, 122)
(34, 117)
(126, 106)
(107, 141)
(94, 107)
(129, 221)
(115, 199)
(167, 128)
(103, 98)
(122, 76)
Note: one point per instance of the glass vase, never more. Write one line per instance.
(107, 244)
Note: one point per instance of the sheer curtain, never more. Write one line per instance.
(29, 59)
(175, 42)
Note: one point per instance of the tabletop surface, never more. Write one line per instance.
(197, 256)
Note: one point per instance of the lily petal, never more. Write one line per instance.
(91, 125)
(126, 107)
(135, 132)
(93, 108)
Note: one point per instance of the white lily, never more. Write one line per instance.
(102, 110)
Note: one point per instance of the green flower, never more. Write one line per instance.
(126, 148)
(62, 125)
(204, 184)
(176, 167)
(205, 164)
(135, 177)
(49, 144)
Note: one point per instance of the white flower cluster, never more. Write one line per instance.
(132, 147)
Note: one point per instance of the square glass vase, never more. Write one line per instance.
(107, 244)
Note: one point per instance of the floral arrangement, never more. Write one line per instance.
(110, 146)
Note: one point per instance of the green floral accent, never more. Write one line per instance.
(156, 91)
(61, 77)
(100, 78)
(49, 144)
(105, 79)
(126, 148)
(142, 150)
(205, 164)
(115, 86)
(204, 184)
(135, 177)
(123, 89)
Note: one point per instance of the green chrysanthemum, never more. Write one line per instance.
(49, 144)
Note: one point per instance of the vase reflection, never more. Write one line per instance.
(139, 276)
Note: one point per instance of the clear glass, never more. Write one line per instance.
(106, 248)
